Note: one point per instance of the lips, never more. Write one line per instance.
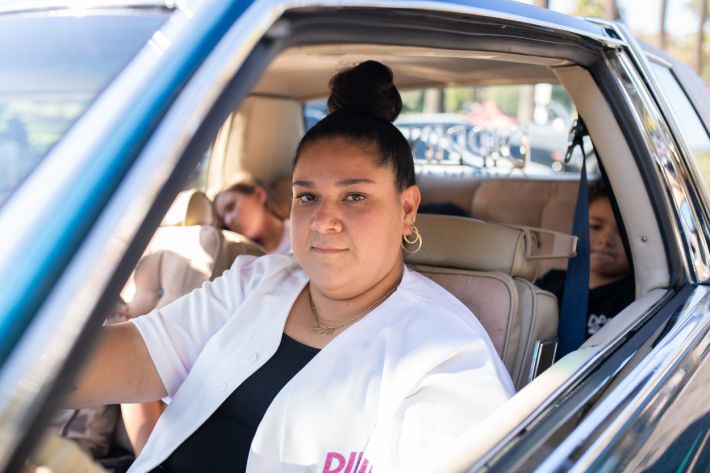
(327, 249)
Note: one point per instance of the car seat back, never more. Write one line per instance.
(489, 267)
(183, 254)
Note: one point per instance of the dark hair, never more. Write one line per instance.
(363, 102)
(597, 190)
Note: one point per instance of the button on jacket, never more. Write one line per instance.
(384, 395)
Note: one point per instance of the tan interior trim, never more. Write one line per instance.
(649, 255)
(302, 72)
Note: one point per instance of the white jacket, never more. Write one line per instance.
(385, 394)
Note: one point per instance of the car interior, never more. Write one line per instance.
(517, 225)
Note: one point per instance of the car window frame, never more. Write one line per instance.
(206, 107)
(87, 288)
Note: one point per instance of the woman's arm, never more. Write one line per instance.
(139, 420)
(119, 370)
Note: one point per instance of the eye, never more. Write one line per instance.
(305, 197)
(355, 197)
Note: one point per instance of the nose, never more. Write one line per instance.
(605, 237)
(326, 218)
(229, 220)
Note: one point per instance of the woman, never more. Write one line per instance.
(336, 359)
(244, 207)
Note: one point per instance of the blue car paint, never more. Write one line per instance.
(33, 270)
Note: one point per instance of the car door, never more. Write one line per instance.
(128, 156)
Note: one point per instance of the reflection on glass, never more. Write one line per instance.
(55, 69)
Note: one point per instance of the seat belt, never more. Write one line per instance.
(575, 299)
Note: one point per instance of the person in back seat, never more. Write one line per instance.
(244, 206)
(611, 281)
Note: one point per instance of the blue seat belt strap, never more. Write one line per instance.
(575, 298)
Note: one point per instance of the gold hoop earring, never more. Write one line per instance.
(409, 240)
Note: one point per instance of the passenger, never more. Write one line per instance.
(245, 207)
(611, 282)
(337, 358)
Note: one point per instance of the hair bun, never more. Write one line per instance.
(368, 87)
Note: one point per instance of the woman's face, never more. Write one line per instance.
(347, 218)
(242, 213)
(607, 256)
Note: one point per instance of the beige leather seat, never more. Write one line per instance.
(490, 267)
(545, 204)
(185, 251)
(540, 203)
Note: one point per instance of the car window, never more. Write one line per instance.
(55, 69)
(694, 133)
(485, 130)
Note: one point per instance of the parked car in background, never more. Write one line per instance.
(108, 108)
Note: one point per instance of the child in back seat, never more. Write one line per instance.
(245, 206)
(611, 281)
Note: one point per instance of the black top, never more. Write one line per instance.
(222, 443)
(604, 301)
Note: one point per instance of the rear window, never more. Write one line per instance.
(58, 64)
(487, 130)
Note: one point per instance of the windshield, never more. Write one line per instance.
(54, 65)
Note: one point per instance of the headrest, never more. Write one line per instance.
(470, 244)
(191, 207)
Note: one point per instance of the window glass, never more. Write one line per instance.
(57, 66)
(487, 130)
(694, 133)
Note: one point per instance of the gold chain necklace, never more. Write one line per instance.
(324, 328)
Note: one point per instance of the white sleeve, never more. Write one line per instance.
(456, 395)
(176, 334)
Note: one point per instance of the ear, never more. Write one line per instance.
(260, 194)
(410, 199)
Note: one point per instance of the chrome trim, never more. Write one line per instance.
(658, 59)
(566, 386)
(631, 399)
(678, 173)
(538, 350)
(669, 166)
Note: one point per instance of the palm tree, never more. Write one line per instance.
(662, 37)
(607, 9)
(611, 9)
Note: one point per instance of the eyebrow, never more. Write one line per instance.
(343, 183)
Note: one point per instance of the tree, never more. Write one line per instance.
(607, 9)
(662, 36)
(700, 42)
(611, 10)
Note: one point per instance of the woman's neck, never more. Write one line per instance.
(333, 309)
(273, 231)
